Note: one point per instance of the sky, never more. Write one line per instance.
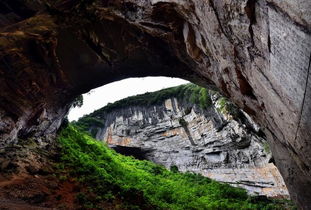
(115, 91)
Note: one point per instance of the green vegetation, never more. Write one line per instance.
(266, 147)
(226, 107)
(135, 184)
(199, 95)
(174, 169)
(196, 94)
(189, 93)
(78, 102)
(86, 122)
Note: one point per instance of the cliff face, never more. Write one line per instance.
(256, 52)
(180, 135)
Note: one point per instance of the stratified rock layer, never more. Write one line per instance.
(255, 52)
(208, 143)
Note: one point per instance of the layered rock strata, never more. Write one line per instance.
(188, 138)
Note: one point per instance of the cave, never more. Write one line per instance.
(138, 153)
(257, 53)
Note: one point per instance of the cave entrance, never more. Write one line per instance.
(257, 53)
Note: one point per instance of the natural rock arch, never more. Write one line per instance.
(256, 52)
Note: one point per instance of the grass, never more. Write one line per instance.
(141, 184)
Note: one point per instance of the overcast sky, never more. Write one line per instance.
(115, 91)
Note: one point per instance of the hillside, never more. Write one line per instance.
(190, 94)
(191, 129)
(121, 182)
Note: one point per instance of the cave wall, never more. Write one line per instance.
(256, 52)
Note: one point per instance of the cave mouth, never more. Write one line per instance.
(256, 52)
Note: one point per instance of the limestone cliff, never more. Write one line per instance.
(182, 135)
(255, 52)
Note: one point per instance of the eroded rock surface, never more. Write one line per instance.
(255, 52)
(208, 142)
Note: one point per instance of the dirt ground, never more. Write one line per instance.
(28, 181)
(26, 191)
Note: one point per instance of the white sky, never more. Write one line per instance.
(115, 91)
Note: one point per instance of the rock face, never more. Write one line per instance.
(176, 134)
(256, 52)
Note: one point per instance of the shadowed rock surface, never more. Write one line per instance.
(256, 52)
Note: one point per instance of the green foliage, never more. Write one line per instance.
(87, 122)
(78, 102)
(142, 184)
(266, 147)
(222, 104)
(226, 107)
(204, 98)
(190, 92)
(174, 169)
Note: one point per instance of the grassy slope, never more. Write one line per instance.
(141, 184)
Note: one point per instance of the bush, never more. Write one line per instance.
(78, 102)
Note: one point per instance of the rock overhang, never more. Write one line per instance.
(255, 52)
